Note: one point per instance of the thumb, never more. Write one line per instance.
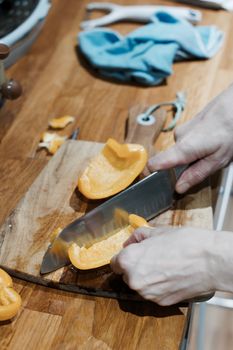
(142, 233)
(138, 235)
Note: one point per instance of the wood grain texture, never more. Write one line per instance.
(144, 134)
(61, 320)
(45, 207)
(53, 201)
(16, 177)
(56, 82)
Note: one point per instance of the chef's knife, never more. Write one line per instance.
(147, 198)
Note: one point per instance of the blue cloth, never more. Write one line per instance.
(146, 55)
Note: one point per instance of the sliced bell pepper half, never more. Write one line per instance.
(100, 253)
(112, 170)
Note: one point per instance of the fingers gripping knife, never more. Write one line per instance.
(141, 13)
(9, 89)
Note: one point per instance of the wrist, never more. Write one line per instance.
(221, 261)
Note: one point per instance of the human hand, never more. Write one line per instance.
(167, 265)
(205, 140)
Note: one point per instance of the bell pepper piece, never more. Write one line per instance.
(61, 123)
(111, 171)
(100, 253)
(10, 300)
(51, 141)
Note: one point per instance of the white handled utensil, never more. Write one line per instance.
(140, 13)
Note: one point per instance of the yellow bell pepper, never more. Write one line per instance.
(100, 253)
(51, 141)
(10, 300)
(112, 170)
(61, 123)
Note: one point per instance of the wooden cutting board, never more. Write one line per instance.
(53, 201)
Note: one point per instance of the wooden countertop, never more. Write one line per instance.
(55, 83)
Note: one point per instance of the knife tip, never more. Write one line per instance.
(52, 261)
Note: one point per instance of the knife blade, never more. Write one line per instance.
(147, 198)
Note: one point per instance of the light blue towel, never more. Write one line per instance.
(146, 55)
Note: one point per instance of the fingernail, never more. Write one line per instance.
(182, 187)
